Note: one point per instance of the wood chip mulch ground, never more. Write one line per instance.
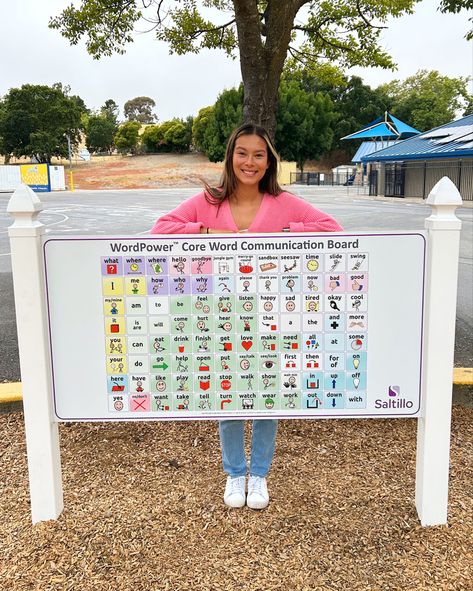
(144, 511)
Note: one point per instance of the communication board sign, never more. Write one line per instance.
(236, 326)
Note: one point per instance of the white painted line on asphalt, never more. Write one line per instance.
(64, 218)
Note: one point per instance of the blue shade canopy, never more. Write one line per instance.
(453, 140)
(377, 131)
(404, 129)
(389, 128)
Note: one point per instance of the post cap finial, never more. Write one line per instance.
(444, 193)
(24, 200)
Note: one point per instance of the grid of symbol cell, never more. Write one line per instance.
(265, 332)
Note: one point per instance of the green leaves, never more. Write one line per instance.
(190, 32)
(107, 24)
(35, 120)
(428, 99)
(304, 120)
(213, 125)
(100, 132)
(127, 136)
(140, 109)
(171, 136)
(348, 31)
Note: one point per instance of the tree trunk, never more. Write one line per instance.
(262, 63)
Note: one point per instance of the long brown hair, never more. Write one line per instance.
(228, 182)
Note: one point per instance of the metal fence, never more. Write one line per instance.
(394, 179)
(323, 178)
(417, 178)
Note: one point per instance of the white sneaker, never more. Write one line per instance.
(234, 495)
(258, 497)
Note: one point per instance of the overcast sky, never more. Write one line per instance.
(181, 85)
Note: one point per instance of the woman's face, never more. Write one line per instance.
(250, 159)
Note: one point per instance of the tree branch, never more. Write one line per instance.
(318, 34)
(158, 12)
(305, 56)
(198, 32)
(364, 19)
(314, 30)
(298, 4)
(120, 12)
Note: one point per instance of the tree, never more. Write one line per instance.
(36, 120)
(304, 120)
(354, 104)
(3, 149)
(427, 99)
(151, 137)
(140, 109)
(100, 131)
(469, 107)
(213, 125)
(110, 111)
(264, 31)
(127, 136)
(177, 137)
(170, 136)
(199, 126)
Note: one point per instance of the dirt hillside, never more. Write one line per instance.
(143, 172)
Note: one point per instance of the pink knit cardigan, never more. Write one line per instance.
(284, 212)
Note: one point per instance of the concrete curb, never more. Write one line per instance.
(11, 398)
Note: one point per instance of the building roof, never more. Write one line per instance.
(387, 127)
(453, 140)
(370, 147)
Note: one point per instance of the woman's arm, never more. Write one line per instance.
(186, 219)
(318, 223)
(311, 219)
(182, 220)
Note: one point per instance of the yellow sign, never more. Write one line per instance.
(36, 176)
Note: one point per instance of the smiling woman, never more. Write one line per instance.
(248, 199)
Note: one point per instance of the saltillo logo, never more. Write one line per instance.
(393, 400)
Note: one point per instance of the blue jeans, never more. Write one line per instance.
(263, 442)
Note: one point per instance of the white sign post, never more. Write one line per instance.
(42, 438)
(35, 329)
(433, 433)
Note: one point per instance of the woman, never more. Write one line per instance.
(249, 199)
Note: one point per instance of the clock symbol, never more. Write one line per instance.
(134, 267)
(312, 265)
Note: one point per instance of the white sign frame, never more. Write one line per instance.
(391, 265)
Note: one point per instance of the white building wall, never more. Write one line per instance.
(10, 178)
(56, 175)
